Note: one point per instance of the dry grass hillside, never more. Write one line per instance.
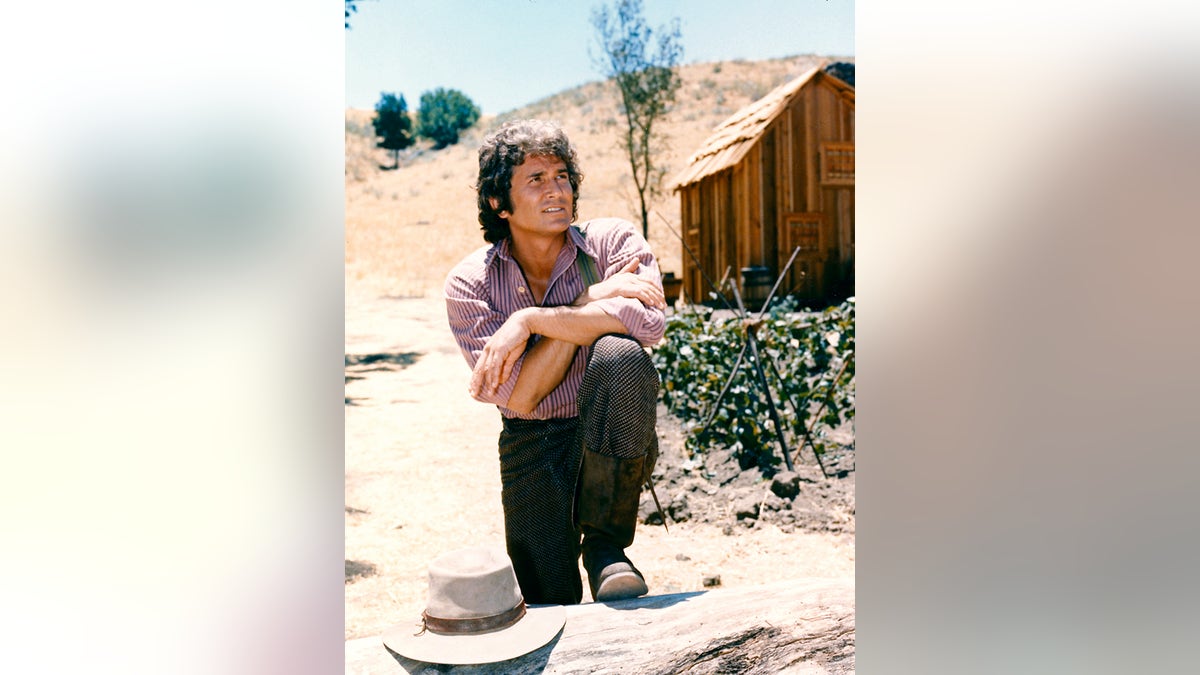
(406, 228)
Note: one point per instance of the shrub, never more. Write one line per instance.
(443, 114)
(807, 360)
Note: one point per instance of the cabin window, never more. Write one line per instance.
(837, 163)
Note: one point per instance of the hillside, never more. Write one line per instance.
(406, 228)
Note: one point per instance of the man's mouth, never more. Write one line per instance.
(553, 209)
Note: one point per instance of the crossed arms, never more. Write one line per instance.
(563, 330)
(629, 301)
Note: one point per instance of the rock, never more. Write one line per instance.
(678, 508)
(648, 513)
(746, 507)
(774, 502)
(786, 484)
(727, 530)
(723, 466)
(681, 557)
(812, 521)
(711, 580)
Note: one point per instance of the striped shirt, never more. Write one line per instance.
(488, 286)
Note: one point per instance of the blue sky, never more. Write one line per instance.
(507, 53)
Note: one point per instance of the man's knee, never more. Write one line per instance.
(620, 358)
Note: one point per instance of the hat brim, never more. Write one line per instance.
(534, 630)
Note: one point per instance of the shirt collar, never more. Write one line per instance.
(575, 240)
(502, 249)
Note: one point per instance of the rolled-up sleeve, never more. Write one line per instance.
(473, 320)
(646, 325)
(618, 246)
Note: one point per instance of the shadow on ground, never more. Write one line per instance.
(357, 365)
(364, 363)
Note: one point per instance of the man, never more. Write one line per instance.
(563, 361)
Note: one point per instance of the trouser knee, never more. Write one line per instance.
(618, 398)
(619, 361)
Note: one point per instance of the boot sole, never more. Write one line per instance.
(621, 586)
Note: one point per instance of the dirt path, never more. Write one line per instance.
(422, 477)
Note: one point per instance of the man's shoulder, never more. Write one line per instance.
(472, 270)
(607, 236)
(476, 261)
(604, 227)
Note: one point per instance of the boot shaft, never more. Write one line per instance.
(609, 493)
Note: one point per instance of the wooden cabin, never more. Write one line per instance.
(777, 175)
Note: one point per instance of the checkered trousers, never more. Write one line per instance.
(540, 460)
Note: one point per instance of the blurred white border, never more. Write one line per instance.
(172, 330)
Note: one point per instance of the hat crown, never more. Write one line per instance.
(472, 583)
(475, 613)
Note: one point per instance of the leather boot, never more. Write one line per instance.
(609, 488)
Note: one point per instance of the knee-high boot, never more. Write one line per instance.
(609, 488)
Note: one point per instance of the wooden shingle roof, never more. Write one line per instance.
(734, 137)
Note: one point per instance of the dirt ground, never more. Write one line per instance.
(422, 477)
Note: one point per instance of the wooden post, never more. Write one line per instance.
(756, 360)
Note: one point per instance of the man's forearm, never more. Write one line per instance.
(543, 369)
(563, 330)
(577, 325)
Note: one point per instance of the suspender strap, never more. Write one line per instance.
(587, 270)
(587, 266)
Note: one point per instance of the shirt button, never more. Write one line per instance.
(520, 289)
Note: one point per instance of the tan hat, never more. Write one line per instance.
(475, 614)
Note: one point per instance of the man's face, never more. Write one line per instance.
(541, 197)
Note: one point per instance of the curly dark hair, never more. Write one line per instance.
(506, 149)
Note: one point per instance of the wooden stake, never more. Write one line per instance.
(808, 427)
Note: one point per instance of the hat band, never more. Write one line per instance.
(484, 624)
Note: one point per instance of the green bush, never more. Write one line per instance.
(807, 360)
(443, 114)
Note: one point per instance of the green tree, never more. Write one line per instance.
(444, 113)
(393, 125)
(643, 63)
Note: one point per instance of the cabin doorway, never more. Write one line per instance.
(805, 279)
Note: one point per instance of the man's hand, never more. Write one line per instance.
(625, 284)
(498, 357)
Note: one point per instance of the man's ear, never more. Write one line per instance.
(495, 204)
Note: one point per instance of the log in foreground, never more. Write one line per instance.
(804, 626)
